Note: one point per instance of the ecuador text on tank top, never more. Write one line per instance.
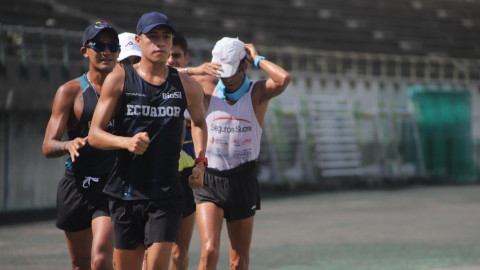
(233, 132)
(157, 110)
(91, 160)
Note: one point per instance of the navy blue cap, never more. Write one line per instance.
(149, 20)
(92, 31)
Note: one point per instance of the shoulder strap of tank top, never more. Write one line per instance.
(175, 77)
(128, 71)
(83, 82)
(251, 86)
(128, 82)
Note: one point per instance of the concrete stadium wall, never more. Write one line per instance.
(27, 179)
(32, 178)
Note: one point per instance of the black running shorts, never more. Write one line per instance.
(236, 191)
(190, 206)
(80, 200)
(145, 221)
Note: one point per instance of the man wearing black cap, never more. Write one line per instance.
(147, 101)
(82, 207)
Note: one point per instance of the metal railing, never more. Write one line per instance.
(17, 35)
(309, 62)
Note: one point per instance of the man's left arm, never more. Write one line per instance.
(263, 91)
(194, 94)
(279, 78)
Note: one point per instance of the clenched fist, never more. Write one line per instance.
(138, 144)
(196, 179)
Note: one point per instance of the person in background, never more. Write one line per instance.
(179, 58)
(130, 52)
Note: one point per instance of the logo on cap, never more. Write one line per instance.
(101, 24)
(131, 41)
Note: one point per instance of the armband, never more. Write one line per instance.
(258, 61)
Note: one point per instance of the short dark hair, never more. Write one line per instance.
(241, 62)
(180, 40)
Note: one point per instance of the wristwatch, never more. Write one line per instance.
(201, 159)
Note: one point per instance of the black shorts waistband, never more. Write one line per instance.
(71, 173)
(239, 171)
(85, 182)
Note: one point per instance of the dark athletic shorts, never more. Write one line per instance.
(190, 206)
(80, 200)
(236, 191)
(145, 221)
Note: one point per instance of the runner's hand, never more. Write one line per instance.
(251, 53)
(73, 146)
(196, 179)
(138, 144)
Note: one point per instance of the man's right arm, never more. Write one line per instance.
(63, 106)
(208, 68)
(108, 104)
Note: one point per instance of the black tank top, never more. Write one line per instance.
(157, 110)
(91, 161)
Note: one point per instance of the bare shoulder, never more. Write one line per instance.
(72, 86)
(117, 76)
(258, 92)
(259, 87)
(208, 83)
(69, 90)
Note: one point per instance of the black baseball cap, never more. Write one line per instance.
(92, 31)
(149, 20)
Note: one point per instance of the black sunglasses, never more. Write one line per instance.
(127, 62)
(113, 47)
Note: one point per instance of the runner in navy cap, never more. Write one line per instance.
(82, 207)
(92, 31)
(148, 101)
(149, 20)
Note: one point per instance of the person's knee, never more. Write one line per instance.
(211, 252)
(239, 262)
(101, 262)
(180, 255)
(81, 263)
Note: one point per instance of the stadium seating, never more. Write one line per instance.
(419, 27)
(37, 14)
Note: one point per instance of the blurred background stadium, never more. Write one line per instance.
(383, 91)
